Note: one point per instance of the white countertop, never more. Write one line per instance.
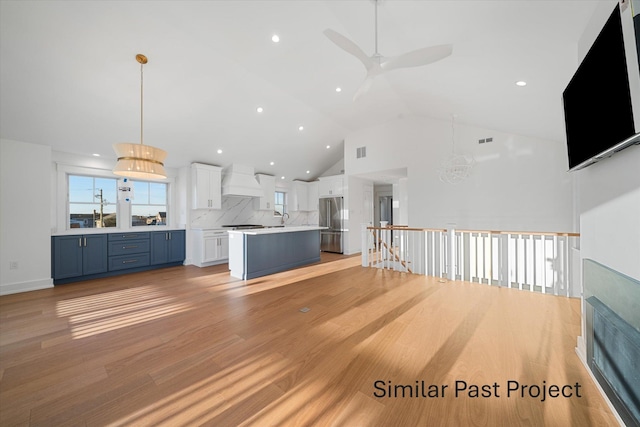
(209, 229)
(112, 230)
(272, 230)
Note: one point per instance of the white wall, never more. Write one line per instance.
(610, 212)
(518, 183)
(608, 192)
(25, 206)
(354, 213)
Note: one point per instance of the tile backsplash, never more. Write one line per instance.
(239, 210)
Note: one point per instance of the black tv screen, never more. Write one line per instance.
(597, 101)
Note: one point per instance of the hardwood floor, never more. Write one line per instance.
(191, 346)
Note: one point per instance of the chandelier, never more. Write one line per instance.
(139, 160)
(456, 167)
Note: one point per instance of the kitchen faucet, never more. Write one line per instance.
(282, 219)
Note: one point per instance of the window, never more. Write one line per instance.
(279, 205)
(92, 202)
(149, 203)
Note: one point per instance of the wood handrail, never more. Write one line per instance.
(391, 251)
(406, 228)
(444, 230)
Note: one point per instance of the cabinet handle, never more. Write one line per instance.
(79, 242)
(85, 242)
(129, 261)
(169, 236)
(130, 247)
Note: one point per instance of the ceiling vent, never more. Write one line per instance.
(361, 152)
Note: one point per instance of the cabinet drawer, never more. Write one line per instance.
(127, 236)
(122, 262)
(128, 247)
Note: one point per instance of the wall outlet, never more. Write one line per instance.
(13, 265)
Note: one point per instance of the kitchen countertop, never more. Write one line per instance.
(111, 230)
(273, 230)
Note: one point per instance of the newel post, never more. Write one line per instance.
(451, 252)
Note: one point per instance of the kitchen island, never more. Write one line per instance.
(259, 252)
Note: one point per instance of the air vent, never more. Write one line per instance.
(361, 152)
(485, 140)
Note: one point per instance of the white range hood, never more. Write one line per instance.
(240, 181)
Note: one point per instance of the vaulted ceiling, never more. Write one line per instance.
(69, 78)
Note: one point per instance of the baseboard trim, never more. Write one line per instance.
(32, 285)
(599, 387)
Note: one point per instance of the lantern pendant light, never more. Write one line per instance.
(139, 160)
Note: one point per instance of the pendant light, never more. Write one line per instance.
(139, 160)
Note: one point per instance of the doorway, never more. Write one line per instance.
(385, 204)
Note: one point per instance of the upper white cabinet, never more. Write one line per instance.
(268, 185)
(331, 186)
(304, 196)
(206, 181)
(299, 197)
(312, 187)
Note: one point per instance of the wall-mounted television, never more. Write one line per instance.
(597, 101)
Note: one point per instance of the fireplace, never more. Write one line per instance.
(613, 336)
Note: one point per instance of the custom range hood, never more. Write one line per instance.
(239, 181)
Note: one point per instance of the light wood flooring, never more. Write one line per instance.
(190, 346)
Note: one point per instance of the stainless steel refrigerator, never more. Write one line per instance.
(331, 216)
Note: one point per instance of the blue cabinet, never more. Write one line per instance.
(91, 256)
(78, 255)
(128, 250)
(167, 246)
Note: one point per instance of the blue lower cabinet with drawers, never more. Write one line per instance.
(82, 257)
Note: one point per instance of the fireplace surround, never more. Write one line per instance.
(612, 332)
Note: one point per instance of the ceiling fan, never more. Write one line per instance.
(377, 64)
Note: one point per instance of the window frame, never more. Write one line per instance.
(69, 202)
(60, 199)
(284, 203)
(166, 204)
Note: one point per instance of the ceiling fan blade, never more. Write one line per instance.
(418, 57)
(348, 46)
(364, 88)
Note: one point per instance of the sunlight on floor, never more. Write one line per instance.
(96, 314)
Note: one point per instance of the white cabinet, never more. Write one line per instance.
(210, 247)
(304, 196)
(299, 197)
(206, 181)
(331, 186)
(313, 196)
(268, 185)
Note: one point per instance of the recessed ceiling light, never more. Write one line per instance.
(308, 171)
(300, 127)
(219, 151)
(521, 83)
(259, 109)
(282, 177)
(272, 163)
(338, 89)
(328, 146)
(96, 154)
(275, 38)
